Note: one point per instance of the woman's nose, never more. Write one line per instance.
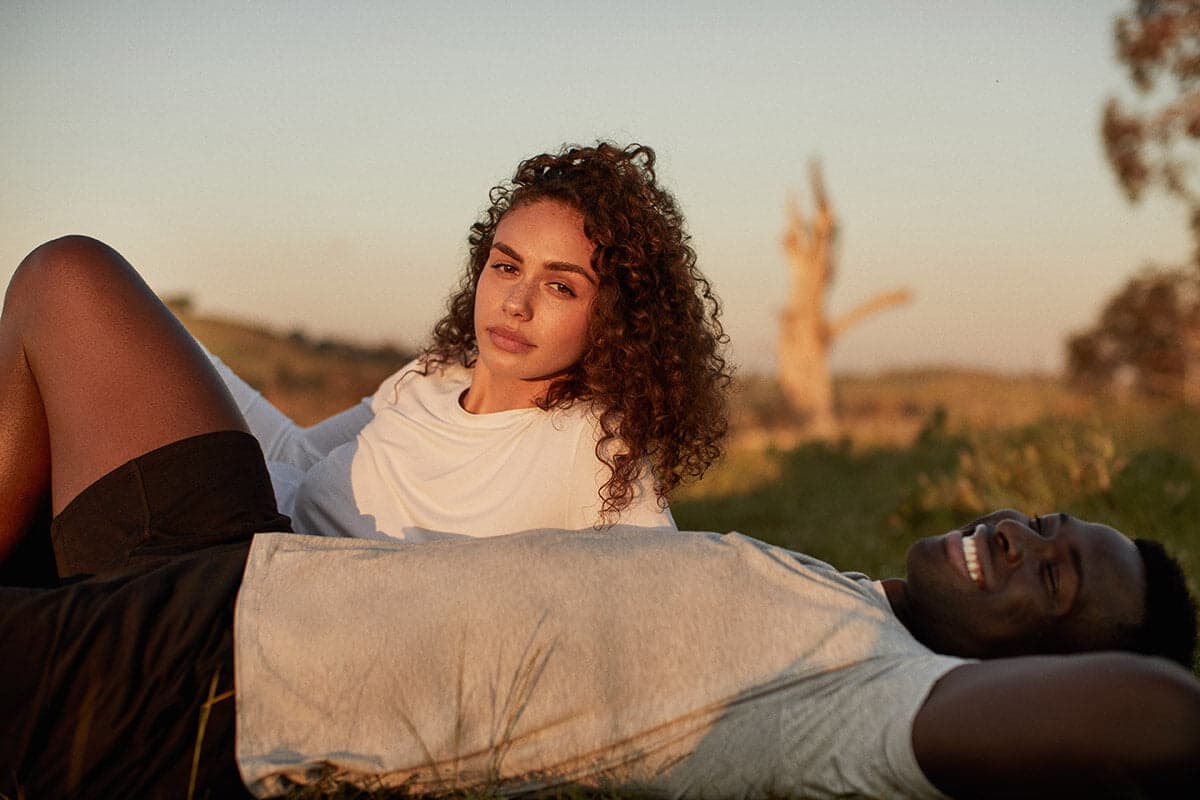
(518, 301)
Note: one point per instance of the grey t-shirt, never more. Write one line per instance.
(682, 663)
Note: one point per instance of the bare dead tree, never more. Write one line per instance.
(806, 332)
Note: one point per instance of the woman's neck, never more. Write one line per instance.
(487, 397)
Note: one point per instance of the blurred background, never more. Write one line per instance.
(298, 178)
(316, 165)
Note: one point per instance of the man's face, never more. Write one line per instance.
(1010, 585)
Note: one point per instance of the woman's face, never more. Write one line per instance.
(532, 305)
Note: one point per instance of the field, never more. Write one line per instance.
(921, 452)
(926, 451)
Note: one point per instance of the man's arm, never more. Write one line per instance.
(1089, 725)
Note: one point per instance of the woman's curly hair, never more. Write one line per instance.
(653, 368)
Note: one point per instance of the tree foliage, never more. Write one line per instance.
(1155, 144)
(1140, 341)
(1147, 337)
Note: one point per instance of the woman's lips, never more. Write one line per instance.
(509, 340)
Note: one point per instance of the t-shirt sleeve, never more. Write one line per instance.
(644, 510)
(879, 724)
(281, 439)
(317, 441)
(589, 474)
(327, 504)
(390, 387)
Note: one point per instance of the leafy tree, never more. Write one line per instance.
(1156, 145)
(1141, 342)
(1148, 336)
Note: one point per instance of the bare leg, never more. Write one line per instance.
(94, 371)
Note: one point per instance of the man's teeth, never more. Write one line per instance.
(972, 555)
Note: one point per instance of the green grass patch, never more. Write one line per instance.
(831, 501)
(1135, 468)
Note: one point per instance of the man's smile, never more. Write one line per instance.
(964, 552)
(971, 554)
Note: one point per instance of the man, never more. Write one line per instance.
(687, 664)
(690, 664)
(698, 664)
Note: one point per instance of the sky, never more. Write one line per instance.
(316, 166)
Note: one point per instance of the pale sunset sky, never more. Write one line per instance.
(317, 165)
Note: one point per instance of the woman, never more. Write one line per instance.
(578, 367)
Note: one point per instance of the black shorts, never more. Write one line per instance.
(107, 679)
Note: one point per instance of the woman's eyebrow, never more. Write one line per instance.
(560, 266)
(508, 251)
(567, 266)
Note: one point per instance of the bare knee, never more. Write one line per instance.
(60, 269)
(62, 257)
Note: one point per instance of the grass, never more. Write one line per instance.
(832, 501)
(310, 379)
(860, 505)
(923, 451)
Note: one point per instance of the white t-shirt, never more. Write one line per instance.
(411, 463)
(680, 663)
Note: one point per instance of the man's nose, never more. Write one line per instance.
(1016, 539)
(1019, 541)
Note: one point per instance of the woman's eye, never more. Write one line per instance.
(563, 289)
(502, 266)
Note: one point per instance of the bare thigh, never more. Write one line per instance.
(94, 371)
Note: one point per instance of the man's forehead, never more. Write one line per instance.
(1104, 543)
(1112, 574)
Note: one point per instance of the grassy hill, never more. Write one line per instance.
(308, 379)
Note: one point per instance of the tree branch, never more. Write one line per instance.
(879, 302)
